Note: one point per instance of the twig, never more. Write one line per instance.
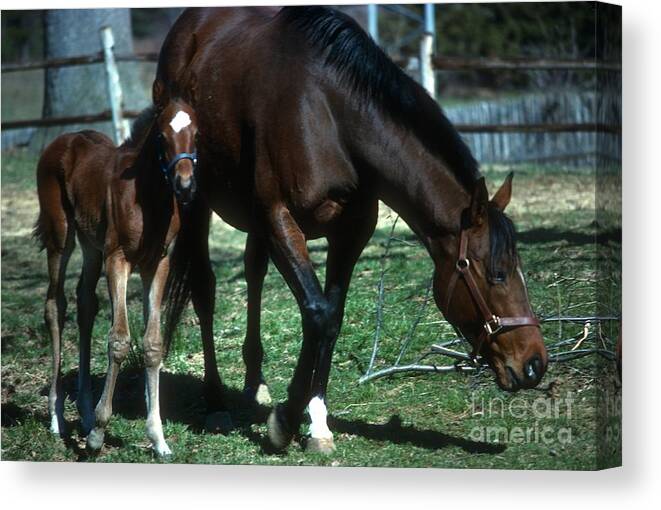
(415, 324)
(379, 304)
(416, 368)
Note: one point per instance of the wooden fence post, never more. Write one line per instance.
(427, 77)
(120, 128)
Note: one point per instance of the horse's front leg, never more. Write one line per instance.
(255, 261)
(289, 253)
(154, 283)
(119, 341)
(344, 249)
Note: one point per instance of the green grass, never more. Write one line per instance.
(403, 421)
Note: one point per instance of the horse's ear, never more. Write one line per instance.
(158, 93)
(504, 194)
(192, 88)
(479, 202)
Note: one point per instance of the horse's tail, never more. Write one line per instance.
(50, 228)
(178, 287)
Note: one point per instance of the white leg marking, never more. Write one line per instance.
(180, 121)
(54, 424)
(152, 372)
(154, 425)
(318, 428)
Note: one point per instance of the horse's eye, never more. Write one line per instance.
(498, 276)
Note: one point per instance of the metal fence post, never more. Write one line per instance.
(120, 130)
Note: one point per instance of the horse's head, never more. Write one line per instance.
(177, 151)
(479, 286)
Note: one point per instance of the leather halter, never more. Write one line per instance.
(493, 324)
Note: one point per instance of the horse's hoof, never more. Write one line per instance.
(162, 450)
(323, 445)
(86, 425)
(279, 436)
(263, 396)
(95, 440)
(219, 422)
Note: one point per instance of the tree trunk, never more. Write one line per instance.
(80, 90)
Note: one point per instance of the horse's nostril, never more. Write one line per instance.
(533, 368)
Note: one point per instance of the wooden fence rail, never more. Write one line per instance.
(95, 58)
(63, 121)
(520, 64)
(463, 128)
(439, 63)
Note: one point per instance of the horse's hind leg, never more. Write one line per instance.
(154, 283)
(203, 295)
(119, 342)
(88, 306)
(54, 314)
(256, 264)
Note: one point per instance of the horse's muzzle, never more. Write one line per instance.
(184, 189)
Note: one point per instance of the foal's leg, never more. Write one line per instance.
(255, 261)
(54, 314)
(154, 283)
(344, 249)
(119, 342)
(88, 306)
(290, 255)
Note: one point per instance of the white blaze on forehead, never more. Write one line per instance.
(180, 121)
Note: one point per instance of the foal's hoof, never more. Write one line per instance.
(95, 440)
(323, 445)
(55, 425)
(279, 434)
(162, 449)
(218, 423)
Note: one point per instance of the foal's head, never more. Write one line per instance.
(177, 145)
(480, 287)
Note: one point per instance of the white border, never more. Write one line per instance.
(638, 483)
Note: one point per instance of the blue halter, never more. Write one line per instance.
(168, 167)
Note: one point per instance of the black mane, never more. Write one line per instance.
(365, 69)
(502, 241)
(140, 127)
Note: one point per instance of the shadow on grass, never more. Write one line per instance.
(576, 238)
(394, 432)
(182, 401)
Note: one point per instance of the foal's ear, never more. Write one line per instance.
(504, 194)
(158, 94)
(479, 202)
(192, 88)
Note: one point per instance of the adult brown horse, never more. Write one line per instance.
(123, 211)
(304, 125)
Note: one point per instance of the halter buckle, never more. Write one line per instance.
(493, 325)
(463, 265)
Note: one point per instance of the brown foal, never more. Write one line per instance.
(120, 203)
